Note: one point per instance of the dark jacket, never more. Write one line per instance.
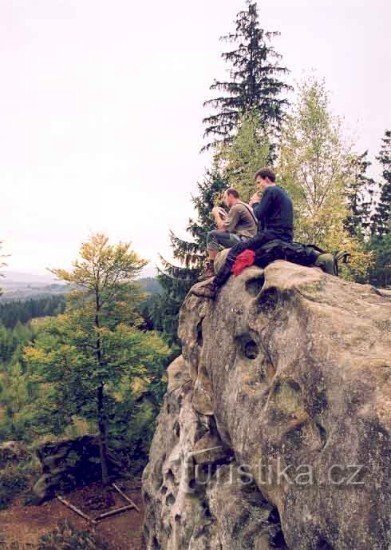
(275, 211)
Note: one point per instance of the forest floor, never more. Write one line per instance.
(21, 526)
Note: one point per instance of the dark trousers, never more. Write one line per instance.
(256, 242)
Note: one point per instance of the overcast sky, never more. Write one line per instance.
(101, 109)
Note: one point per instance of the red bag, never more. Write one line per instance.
(243, 260)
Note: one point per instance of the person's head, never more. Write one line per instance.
(264, 177)
(230, 197)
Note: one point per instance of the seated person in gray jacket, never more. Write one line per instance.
(239, 224)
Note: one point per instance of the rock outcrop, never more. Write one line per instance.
(275, 428)
(68, 464)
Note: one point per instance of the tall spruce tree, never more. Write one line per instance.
(380, 243)
(176, 281)
(254, 91)
(382, 217)
(360, 196)
(255, 81)
(249, 151)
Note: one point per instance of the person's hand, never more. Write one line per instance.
(255, 198)
(220, 211)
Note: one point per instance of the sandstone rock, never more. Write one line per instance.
(289, 373)
(67, 464)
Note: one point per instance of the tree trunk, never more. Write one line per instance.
(102, 436)
(100, 396)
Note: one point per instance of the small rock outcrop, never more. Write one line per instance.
(275, 428)
(67, 464)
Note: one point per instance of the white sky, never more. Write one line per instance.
(101, 109)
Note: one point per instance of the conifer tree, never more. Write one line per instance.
(177, 280)
(382, 216)
(249, 151)
(255, 81)
(252, 100)
(380, 243)
(360, 195)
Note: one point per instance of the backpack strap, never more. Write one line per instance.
(251, 212)
(316, 248)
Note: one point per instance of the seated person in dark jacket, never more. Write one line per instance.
(274, 212)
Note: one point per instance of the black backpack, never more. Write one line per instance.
(298, 253)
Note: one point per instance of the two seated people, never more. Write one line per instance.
(266, 218)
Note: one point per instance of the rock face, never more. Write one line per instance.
(275, 428)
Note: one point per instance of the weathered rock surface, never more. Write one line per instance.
(67, 464)
(277, 416)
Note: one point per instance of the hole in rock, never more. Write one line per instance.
(251, 350)
(206, 510)
(177, 518)
(177, 429)
(320, 402)
(322, 544)
(322, 433)
(155, 544)
(248, 347)
(199, 334)
(268, 300)
(170, 499)
(163, 490)
(254, 286)
(170, 476)
(274, 516)
(192, 483)
(294, 438)
(277, 539)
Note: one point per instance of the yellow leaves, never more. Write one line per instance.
(35, 355)
(316, 167)
(138, 385)
(101, 266)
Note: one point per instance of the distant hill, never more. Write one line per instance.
(22, 286)
(150, 284)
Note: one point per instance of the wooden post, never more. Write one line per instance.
(113, 512)
(79, 512)
(126, 497)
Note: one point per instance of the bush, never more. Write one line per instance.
(17, 470)
(67, 537)
(12, 483)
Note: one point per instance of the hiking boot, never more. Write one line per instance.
(208, 290)
(208, 272)
(326, 262)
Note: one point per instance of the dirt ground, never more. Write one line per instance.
(26, 524)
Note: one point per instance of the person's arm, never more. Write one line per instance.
(263, 208)
(220, 216)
